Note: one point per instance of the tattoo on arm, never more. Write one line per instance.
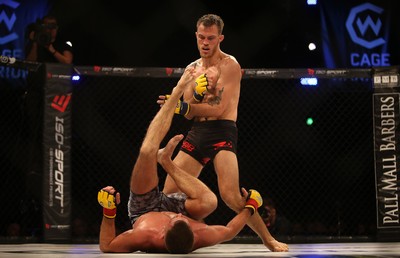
(216, 99)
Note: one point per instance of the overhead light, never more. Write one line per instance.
(311, 2)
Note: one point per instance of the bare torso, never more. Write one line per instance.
(227, 90)
(151, 226)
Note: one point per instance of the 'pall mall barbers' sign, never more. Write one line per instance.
(386, 136)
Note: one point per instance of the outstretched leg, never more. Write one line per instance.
(226, 166)
(144, 175)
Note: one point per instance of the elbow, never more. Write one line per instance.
(104, 249)
(230, 237)
(218, 111)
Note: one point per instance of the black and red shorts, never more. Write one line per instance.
(206, 139)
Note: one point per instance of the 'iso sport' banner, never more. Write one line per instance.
(57, 153)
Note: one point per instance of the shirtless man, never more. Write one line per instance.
(160, 222)
(214, 132)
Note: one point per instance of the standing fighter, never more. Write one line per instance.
(214, 132)
(160, 222)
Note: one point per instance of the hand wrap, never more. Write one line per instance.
(182, 107)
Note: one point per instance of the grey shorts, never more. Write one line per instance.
(155, 200)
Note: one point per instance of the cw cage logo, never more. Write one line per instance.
(8, 21)
(60, 102)
(365, 27)
(358, 28)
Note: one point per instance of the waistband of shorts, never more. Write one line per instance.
(215, 123)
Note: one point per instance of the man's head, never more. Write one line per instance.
(209, 20)
(209, 34)
(49, 23)
(179, 237)
(269, 214)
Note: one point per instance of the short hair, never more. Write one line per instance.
(49, 17)
(209, 20)
(179, 239)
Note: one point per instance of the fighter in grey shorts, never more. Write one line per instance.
(155, 200)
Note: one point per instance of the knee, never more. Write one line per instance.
(148, 150)
(209, 202)
(233, 200)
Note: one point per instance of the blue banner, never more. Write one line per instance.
(15, 16)
(359, 33)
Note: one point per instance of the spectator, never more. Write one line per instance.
(276, 222)
(44, 44)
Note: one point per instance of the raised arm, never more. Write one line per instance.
(109, 242)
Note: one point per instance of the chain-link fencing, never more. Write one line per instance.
(309, 148)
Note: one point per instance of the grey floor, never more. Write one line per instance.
(338, 250)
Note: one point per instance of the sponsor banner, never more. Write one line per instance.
(359, 33)
(386, 107)
(57, 153)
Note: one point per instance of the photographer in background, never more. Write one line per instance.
(44, 45)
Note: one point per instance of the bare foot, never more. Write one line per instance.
(187, 77)
(276, 246)
(165, 153)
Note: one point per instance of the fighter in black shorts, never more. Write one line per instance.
(206, 139)
(158, 223)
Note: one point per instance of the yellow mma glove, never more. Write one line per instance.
(182, 107)
(107, 201)
(201, 87)
(254, 201)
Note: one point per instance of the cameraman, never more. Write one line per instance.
(44, 46)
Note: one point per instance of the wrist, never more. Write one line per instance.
(53, 53)
(197, 97)
(110, 213)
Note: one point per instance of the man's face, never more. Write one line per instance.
(270, 219)
(208, 40)
(51, 26)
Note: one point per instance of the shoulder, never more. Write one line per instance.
(230, 68)
(194, 63)
(230, 62)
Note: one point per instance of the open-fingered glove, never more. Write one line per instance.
(107, 201)
(201, 87)
(182, 107)
(253, 201)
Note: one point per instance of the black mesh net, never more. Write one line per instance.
(320, 174)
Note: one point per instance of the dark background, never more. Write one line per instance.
(259, 34)
(322, 173)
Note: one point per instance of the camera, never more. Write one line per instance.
(42, 35)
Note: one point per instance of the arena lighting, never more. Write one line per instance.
(307, 81)
(312, 2)
(75, 77)
(309, 121)
(312, 46)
